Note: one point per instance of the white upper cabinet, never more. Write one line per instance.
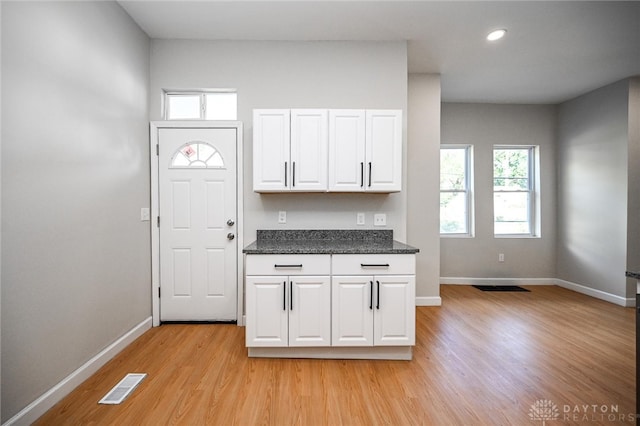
(309, 150)
(271, 130)
(384, 150)
(318, 150)
(290, 150)
(365, 150)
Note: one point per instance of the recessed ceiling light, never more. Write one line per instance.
(496, 35)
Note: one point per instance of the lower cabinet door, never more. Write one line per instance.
(394, 311)
(267, 311)
(309, 311)
(352, 311)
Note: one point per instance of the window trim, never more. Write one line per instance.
(469, 191)
(533, 210)
(166, 93)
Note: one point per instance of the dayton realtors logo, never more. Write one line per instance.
(545, 410)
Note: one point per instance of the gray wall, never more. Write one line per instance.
(423, 191)
(633, 182)
(75, 173)
(485, 125)
(293, 75)
(592, 149)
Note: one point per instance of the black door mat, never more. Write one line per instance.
(500, 288)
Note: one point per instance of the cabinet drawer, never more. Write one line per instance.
(288, 264)
(373, 264)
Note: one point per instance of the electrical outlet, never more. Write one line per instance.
(500, 257)
(380, 219)
(360, 219)
(282, 217)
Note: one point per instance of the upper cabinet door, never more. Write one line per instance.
(271, 162)
(383, 168)
(309, 150)
(346, 150)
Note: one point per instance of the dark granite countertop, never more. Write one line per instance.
(634, 274)
(332, 241)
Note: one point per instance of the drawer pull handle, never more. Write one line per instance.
(374, 265)
(287, 266)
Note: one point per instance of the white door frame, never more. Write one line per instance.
(154, 127)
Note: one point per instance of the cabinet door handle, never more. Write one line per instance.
(369, 174)
(284, 296)
(371, 295)
(378, 296)
(291, 295)
(374, 265)
(361, 175)
(286, 168)
(287, 266)
(293, 179)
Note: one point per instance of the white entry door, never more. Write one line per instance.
(197, 206)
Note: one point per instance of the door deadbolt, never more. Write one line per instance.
(230, 236)
(230, 222)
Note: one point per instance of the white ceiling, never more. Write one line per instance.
(553, 51)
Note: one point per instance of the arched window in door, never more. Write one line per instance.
(197, 154)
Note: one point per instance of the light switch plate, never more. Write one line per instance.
(144, 214)
(360, 219)
(380, 219)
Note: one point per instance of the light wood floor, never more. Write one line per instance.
(480, 359)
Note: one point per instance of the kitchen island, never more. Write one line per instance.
(330, 294)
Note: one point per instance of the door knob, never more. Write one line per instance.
(230, 236)
(230, 222)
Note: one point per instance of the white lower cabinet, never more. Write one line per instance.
(373, 310)
(358, 301)
(288, 310)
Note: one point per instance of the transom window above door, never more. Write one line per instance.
(201, 105)
(197, 155)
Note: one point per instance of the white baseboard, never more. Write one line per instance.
(429, 301)
(497, 281)
(578, 288)
(37, 408)
(598, 294)
(335, 352)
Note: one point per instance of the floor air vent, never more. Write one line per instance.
(123, 388)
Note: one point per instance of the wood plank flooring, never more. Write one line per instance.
(482, 358)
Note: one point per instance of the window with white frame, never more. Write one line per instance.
(515, 191)
(456, 213)
(201, 105)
